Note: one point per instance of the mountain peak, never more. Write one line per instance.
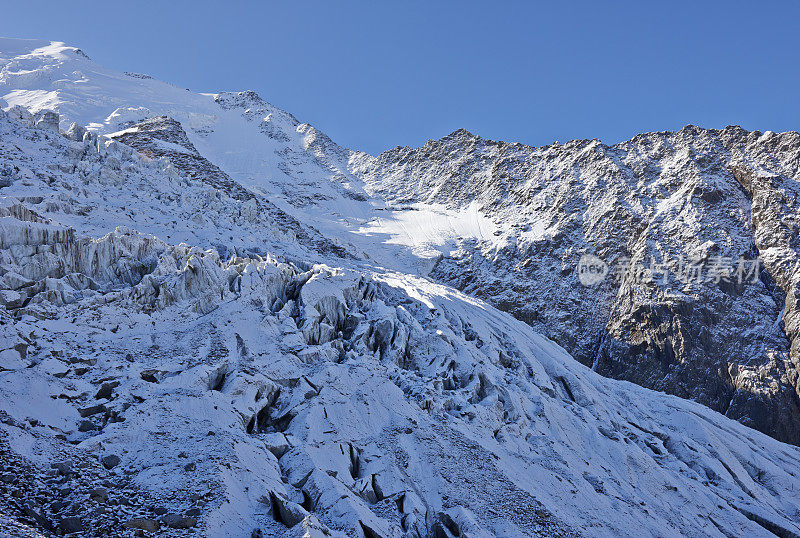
(460, 133)
(14, 47)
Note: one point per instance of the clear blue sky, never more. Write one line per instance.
(374, 75)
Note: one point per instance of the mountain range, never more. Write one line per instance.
(217, 320)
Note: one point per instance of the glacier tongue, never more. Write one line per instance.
(187, 344)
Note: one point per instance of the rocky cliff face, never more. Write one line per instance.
(713, 201)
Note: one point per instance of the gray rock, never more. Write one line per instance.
(34, 512)
(70, 525)
(177, 521)
(91, 410)
(63, 467)
(110, 461)
(99, 494)
(106, 390)
(149, 525)
(87, 426)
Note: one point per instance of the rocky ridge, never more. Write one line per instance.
(659, 201)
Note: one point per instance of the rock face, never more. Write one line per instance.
(661, 201)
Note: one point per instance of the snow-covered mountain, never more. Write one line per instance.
(715, 201)
(215, 320)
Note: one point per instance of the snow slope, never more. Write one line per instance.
(263, 148)
(292, 386)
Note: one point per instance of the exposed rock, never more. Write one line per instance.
(106, 390)
(87, 426)
(148, 137)
(149, 525)
(63, 467)
(70, 525)
(99, 494)
(176, 521)
(92, 410)
(110, 461)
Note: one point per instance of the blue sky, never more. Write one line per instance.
(374, 75)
